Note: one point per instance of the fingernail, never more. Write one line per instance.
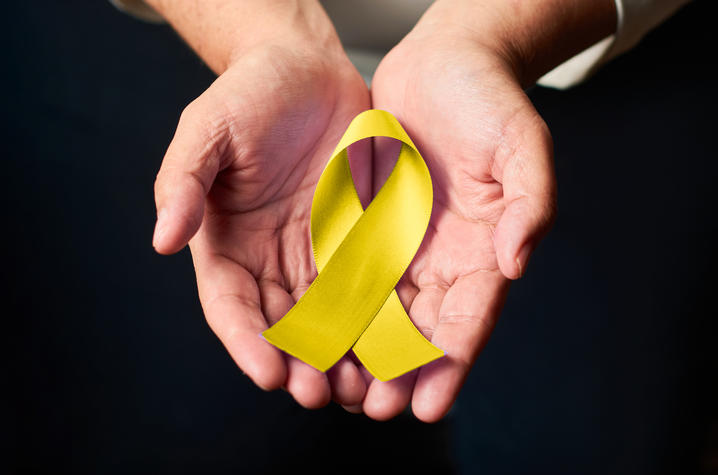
(354, 409)
(160, 227)
(522, 258)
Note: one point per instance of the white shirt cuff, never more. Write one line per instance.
(635, 19)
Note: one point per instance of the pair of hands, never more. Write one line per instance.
(238, 178)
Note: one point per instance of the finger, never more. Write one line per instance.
(231, 302)
(188, 170)
(308, 386)
(365, 374)
(386, 399)
(406, 291)
(346, 382)
(355, 409)
(347, 385)
(424, 310)
(466, 318)
(524, 165)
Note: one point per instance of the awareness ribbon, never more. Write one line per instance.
(360, 257)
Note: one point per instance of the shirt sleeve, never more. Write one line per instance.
(635, 19)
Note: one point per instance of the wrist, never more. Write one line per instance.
(222, 31)
(530, 37)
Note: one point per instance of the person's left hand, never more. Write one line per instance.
(490, 157)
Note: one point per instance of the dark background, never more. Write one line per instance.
(604, 360)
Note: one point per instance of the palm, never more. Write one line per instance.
(270, 140)
(465, 116)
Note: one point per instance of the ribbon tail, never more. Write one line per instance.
(392, 345)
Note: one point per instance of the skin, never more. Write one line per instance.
(456, 84)
(489, 154)
(238, 178)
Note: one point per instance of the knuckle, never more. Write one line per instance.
(159, 185)
(189, 113)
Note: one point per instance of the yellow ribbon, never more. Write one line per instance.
(360, 256)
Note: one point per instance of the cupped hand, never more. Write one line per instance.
(490, 157)
(237, 183)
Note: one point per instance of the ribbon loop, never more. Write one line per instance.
(360, 257)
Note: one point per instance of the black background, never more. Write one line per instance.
(604, 360)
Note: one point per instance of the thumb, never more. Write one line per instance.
(188, 170)
(524, 164)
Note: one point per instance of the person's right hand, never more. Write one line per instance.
(237, 183)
